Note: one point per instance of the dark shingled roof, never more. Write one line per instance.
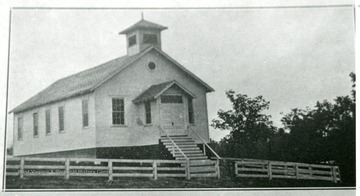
(76, 84)
(154, 90)
(143, 24)
(87, 81)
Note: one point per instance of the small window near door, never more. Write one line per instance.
(191, 111)
(171, 99)
(148, 112)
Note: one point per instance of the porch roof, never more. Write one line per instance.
(156, 90)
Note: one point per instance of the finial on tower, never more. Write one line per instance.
(142, 16)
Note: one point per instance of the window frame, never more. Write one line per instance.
(35, 124)
(166, 99)
(83, 114)
(20, 128)
(48, 121)
(132, 40)
(121, 113)
(148, 117)
(61, 125)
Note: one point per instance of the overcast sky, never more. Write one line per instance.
(292, 57)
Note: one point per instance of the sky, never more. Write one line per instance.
(292, 57)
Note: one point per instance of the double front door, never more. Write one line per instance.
(173, 114)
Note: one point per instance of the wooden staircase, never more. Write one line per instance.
(200, 164)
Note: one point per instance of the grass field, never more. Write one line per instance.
(146, 183)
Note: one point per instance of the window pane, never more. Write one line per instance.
(148, 112)
(61, 118)
(132, 40)
(85, 113)
(47, 121)
(118, 113)
(150, 39)
(191, 111)
(35, 123)
(20, 128)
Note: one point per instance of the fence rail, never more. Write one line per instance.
(289, 170)
(110, 168)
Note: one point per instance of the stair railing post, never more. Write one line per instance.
(217, 167)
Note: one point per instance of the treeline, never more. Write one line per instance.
(323, 134)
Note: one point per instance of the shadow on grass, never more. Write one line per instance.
(165, 183)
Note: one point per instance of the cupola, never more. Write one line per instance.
(141, 35)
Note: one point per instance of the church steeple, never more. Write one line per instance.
(142, 35)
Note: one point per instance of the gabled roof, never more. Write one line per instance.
(156, 90)
(87, 81)
(143, 24)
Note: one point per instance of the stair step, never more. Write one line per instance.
(178, 139)
(181, 146)
(179, 142)
(196, 151)
(185, 150)
(174, 136)
(189, 155)
(202, 169)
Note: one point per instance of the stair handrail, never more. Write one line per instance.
(172, 141)
(217, 156)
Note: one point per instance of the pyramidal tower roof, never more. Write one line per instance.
(143, 24)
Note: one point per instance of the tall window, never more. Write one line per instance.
(148, 112)
(47, 121)
(150, 39)
(132, 40)
(118, 113)
(191, 111)
(36, 124)
(20, 128)
(61, 118)
(85, 113)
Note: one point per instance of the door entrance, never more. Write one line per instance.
(173, 114)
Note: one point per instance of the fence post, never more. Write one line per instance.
(311, 171)
(285, 168)
(110, 165)
(236, 169)
(67, 169)
(269, 170)
(22, 164)
(333, 168)
(297, 171)
(155, 170)
(217, 167)
(187, 169)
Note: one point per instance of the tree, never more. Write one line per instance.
(250, 129)
(325, 134)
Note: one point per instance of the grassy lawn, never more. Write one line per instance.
(146, 183)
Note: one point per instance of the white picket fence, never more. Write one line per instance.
(110, 168)
(289, 170)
